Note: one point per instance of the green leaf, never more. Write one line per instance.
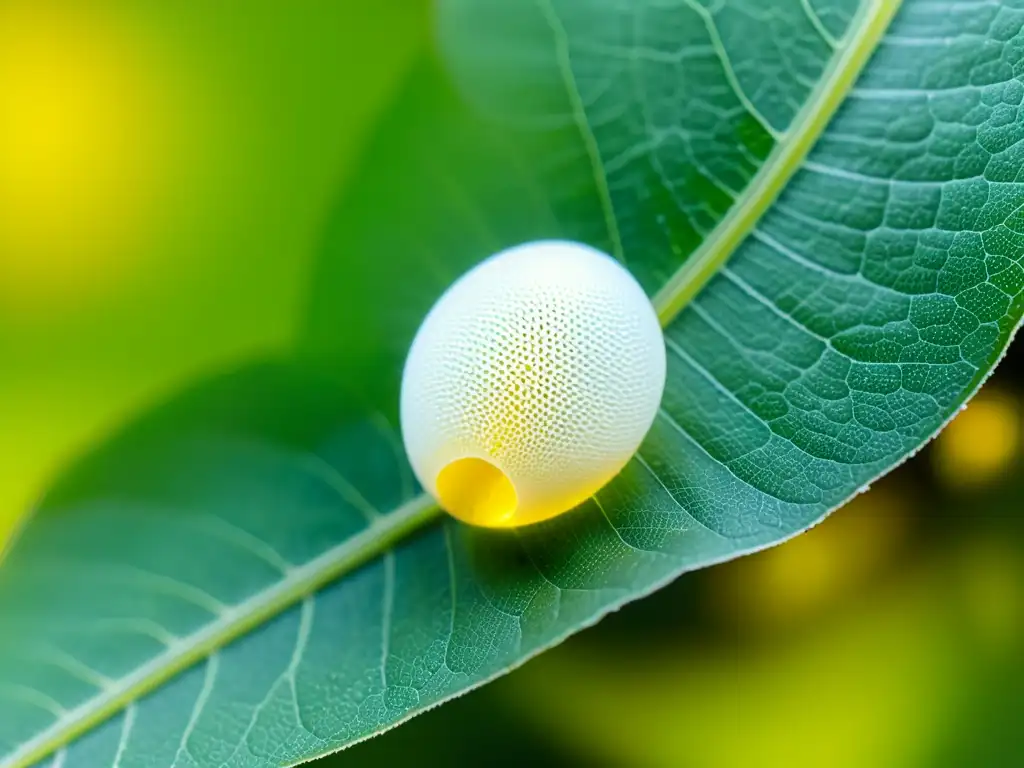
(858, 311)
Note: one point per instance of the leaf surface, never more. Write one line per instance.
(860, 308)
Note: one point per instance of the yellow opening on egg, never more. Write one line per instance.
(477, 492)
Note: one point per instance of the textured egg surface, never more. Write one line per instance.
(531, 383)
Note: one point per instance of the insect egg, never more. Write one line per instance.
(531, 383)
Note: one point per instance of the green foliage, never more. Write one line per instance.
(190, 570)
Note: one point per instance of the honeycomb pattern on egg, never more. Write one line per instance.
(546, 360)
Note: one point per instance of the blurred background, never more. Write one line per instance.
(165, 173)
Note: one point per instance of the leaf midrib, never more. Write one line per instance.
(376, 538)
(867, 29)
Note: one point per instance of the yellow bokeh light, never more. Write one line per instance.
(878, 686)
(784, 585)
(982, 442)
(83, 144)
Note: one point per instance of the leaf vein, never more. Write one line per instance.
(819, 26)
(209, 678)
(126, 733)
(730, 72)
(387, 606)
(583, 124)
(689, 515)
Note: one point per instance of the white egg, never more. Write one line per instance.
(531, 383)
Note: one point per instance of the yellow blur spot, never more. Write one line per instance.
(982, 442)
(477, 492)
(788, 583)
(879, 685)
(83, 118)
